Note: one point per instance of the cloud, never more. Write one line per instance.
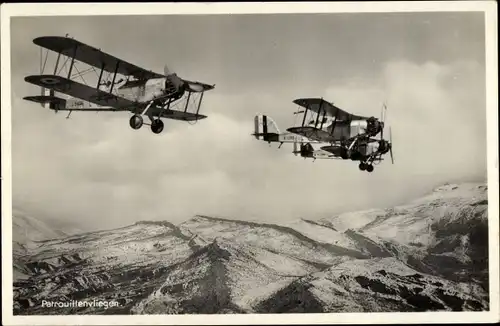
(96, 170)
(92, 169)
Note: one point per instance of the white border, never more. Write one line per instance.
(68, 9)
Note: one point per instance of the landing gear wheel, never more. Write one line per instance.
(362, 166)
(136, 121)
(157, 126)
(369, 168)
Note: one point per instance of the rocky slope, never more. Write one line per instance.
(444, 233)
(430, 254)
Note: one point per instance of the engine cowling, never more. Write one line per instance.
(383, 146)
(373, 126)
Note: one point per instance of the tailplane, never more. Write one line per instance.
(47, 97)
(267, 130)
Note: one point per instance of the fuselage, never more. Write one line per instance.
(150, 90)
(346, 130)
(342, 129)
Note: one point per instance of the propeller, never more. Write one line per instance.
(382, 120)
(172, 76)
(390, 144)
(177, 81)
(383, 142)
(167, 71)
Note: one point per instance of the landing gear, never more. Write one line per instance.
(343, 153)
(136, 121)
(363, 166)
(356, 156)
(157, 126)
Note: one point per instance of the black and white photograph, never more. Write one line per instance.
(211, 161)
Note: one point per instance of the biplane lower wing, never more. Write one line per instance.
(307, 151)
(326, 157)
(160, 112)
(335, 150)
(320, 135)
(109, 102)
(318, 155)
(313, 133)
(83, 92)
(60, 104)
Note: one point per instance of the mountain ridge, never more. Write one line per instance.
(429, 254)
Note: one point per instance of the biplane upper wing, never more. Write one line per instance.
(198, 86)
(81, 91)
(93, 56)
(319, 105)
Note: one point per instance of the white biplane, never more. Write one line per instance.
(138, 91)
(341, 135)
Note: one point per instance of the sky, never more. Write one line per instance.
(93, 170)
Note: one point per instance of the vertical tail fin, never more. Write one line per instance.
(257, 132)
(263, 125)
(260, 127)
(47, 92)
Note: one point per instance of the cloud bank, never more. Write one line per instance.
(93, 169)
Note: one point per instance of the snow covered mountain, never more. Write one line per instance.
(431, 254)
(28, 230)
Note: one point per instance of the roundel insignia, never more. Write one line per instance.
(50, 80)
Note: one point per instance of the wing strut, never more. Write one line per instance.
(100, 76)
(57, 63)
(72, 61)
(349, 122)
(114, 76)
(319, 111)
(323, 120)
(199, 104)
(334, 122)
(305, 115)
(187, 102)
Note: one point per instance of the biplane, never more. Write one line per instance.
(341, 135)
(139, 91)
